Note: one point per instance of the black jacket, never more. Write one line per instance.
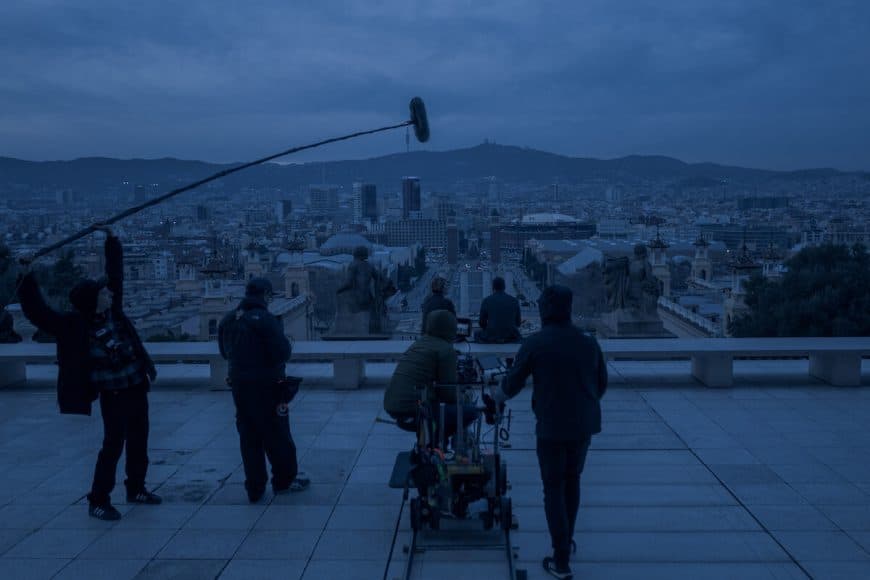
(435, 301)
(75, 393)
(500, 318)
(569, 376)
(252, 339)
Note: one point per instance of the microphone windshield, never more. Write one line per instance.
(419, 119)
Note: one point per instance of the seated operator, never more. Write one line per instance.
(500, 316)
(431, 359)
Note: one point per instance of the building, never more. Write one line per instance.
(283, 210)
(452, 239)
(406, 232)
(411, 203)
(365, 202)
(495, 237)
(748, 203)
(543, 226)
(323, 199)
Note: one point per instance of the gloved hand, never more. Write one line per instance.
(492, 407)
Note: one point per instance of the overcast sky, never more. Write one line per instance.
(764, 83)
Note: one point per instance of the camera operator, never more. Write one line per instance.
(569, 379)
(252, 340)
(430, 359)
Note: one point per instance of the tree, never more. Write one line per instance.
(60, 278)
(823, 293)
(8, 276)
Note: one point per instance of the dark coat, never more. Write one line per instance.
(75, 393)
(252, 339)
(435, 301)
(569, 375)
(500, 318)
(431, 359)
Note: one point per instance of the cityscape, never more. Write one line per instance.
(456, 290)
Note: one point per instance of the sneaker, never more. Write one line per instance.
(105, 512)
(301, 483)
(255, 495)
(144, 497)
(556, 571)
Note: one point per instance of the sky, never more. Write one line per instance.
(780, 84)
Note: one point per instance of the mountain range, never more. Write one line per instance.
(437, 170)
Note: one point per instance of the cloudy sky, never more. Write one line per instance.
(765, 83)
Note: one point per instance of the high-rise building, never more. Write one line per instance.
(283, 210)
(411, 206)
(495, 237)
(428, 233)
(365, 202)
(452, 239)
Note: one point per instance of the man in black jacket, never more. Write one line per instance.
(100, 355)
(253, 341)
(569, 377)
(436, 301)
(500, 316)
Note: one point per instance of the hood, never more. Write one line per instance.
(554, 304)
(441, 324)
(83, 295)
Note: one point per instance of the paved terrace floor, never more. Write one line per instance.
(684, 483)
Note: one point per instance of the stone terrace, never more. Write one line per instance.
(685, 482)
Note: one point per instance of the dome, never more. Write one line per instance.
(534, 219)
(344, 243)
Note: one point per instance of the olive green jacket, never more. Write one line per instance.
(431, 359)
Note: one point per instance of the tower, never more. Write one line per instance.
(742, 267)
(296, 282)
(452, 239)
(495, 237)
(702, 267)
(659, 261)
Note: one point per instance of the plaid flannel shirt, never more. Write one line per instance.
(114, 365)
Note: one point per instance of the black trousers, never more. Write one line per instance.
(561, 464)
(263, 433)
(125, 423)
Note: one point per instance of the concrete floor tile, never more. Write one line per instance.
(278, 545)
(294, 517)
(118, 544)
(182, 570)
(102, 570)
(240, 569)
(203, 545)
(346, 545)
(360, 517)
(165, 516)
(828, 570)
(225, 517)
(47, 543)
(345, 570)
(848, 517)
(31, 569)
(792, 518)
(827, 546)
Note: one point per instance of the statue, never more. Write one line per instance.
(632, 294)
(362, 298)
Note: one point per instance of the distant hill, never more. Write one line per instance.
(436, 170)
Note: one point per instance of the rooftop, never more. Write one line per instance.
(765, 480)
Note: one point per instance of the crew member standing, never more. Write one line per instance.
(252, 340)
(569, 379)
(100, 354)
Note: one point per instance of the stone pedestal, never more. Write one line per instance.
(840, 369)
(625, 324)
(12, 373)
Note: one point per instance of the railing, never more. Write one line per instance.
(694, 318)
(834, 360)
